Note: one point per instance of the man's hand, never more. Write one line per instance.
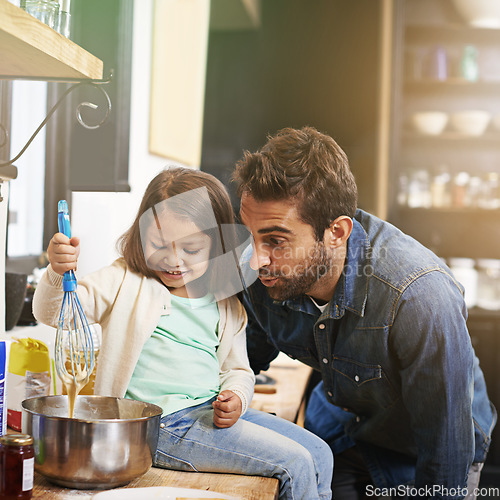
(227, 409)
(63, 253)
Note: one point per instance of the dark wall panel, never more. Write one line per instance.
(310, 63)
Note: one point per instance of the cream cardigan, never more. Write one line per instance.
(128, 307)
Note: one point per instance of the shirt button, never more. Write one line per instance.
(325, 361)
(358, 419)
(330, 394)
(162, 426)
(356, 378)
(321, 326)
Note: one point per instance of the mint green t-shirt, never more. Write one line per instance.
(178, 365)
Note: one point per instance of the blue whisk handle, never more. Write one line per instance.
(63, 218)
(69, 279)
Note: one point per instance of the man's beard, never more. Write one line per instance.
(299, 281)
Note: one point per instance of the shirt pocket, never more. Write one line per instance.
(361, 387)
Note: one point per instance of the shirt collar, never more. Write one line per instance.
(352, 290)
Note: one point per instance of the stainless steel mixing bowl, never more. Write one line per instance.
(109, 442)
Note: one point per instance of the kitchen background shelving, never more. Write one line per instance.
(428, 34)
(428, 30)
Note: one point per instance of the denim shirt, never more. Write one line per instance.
(399, 375)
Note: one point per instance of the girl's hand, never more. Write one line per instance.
(227, 409)
(63, 253)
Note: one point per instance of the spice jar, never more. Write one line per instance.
(44, 10)
(437, 64)
(440, 189)
(469, 66)
(475, 191)
(491, 192)
(402, 195)
(17, 466)
(459, 193)
(419, 191)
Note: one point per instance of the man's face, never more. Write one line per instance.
(290, 261)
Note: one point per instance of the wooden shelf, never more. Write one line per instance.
(429, 33)
(454, 138)
(477, 312)
(30, 49)
(426, 85)
(433, 211)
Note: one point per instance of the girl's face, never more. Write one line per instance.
(179, 253)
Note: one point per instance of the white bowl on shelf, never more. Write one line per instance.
(471, 122)
(429, 122)
(479, 13)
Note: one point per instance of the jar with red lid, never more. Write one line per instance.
(17, 466)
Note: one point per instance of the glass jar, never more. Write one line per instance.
(465, 273)
(475, 191)
(63, 23)
(44, 10)
(469, 66)
(17, 466)
(419, 190)
(440, 188)
(490, 198)
(489, 284)
(459, 190)
(402, 195)
(437, 64)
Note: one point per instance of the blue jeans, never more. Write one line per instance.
(258, 444)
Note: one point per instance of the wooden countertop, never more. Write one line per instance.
(244, 487)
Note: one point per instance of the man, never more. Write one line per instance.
(402, 401)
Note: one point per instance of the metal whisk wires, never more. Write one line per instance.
(74, 349)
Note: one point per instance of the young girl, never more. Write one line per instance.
(173, 335)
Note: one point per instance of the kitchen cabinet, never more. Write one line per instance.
(446, 189)
(308, 63)
(433, 196)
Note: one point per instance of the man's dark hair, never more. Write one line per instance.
(304, 165)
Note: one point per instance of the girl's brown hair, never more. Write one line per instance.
(167, 184)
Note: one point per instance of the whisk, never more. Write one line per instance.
(74, 349)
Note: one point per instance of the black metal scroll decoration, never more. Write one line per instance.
(93, 83)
